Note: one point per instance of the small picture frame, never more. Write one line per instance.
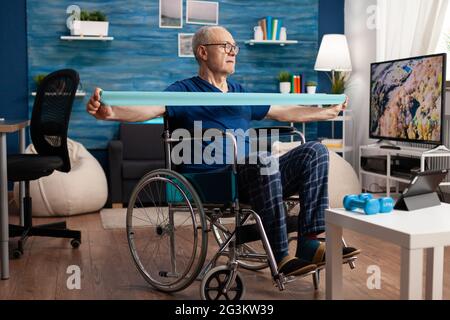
(202, 12)
(185, 45)
(171, 14)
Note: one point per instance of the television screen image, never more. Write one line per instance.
(407, 99)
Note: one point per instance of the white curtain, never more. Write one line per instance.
(408, 28)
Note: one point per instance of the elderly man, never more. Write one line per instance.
(303, 170)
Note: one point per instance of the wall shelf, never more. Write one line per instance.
(271, 42)
(70, 38)
(77, 94)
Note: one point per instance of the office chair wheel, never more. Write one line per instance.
(75, 243)
(215, 281)
(221, 234)
(166, 230)
(17, 253)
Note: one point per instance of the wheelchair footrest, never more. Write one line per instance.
(288, 279)
(344, 261)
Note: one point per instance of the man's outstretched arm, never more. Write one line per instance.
(121, 113)
(304, 114)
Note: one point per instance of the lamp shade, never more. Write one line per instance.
(333, 54)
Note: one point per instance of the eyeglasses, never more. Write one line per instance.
(228, 47)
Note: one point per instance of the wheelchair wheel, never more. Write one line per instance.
(256, 247)
(166, 230)
(215, 281)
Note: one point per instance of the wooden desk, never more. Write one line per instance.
(7, 126)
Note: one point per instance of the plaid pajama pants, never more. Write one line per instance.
(302, 171)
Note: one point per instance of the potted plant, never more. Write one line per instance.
(38, 78)
(339, 82)
(284, 78)
(311, 87)
(90, 24)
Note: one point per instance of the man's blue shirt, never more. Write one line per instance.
(219, 117)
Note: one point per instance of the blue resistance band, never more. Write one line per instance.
(143, 98)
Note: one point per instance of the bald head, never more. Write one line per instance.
(209, 34)
(215, 50)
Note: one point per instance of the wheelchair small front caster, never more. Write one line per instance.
(17, 253)
(214, 282)
(75, 243)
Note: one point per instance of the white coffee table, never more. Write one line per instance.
(413, 231)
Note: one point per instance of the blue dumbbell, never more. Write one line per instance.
(367, 203)
(386, 204)
(364, 196)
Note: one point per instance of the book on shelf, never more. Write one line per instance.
(297, 84)
(269, 27)
(274, 29)
(300, 84)
(303, 85)
(262, 23)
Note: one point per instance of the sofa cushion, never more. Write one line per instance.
(135, 169)
(142, 141)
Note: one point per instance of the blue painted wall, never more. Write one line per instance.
(13, 65)
(331, 20)
(13, 55)
(145, 57)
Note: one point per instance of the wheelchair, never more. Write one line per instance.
(170, 215)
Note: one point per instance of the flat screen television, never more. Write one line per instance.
(407, 99)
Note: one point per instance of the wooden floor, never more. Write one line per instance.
(108, 271)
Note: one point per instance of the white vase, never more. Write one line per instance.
(258, 33)
(285, 87)
(311, 89)
(283, 34)
(90, 28)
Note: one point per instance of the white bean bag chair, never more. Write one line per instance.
(84, 189)
(342, 179)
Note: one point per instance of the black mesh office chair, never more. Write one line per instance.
(48, 130)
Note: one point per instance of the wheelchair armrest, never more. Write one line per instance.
(115, 156)
(282, 130)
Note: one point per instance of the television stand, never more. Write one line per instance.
(438, 149)
(384, 144)
(390, 147)
(421, 153)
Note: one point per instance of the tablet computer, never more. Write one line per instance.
(421, 191)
